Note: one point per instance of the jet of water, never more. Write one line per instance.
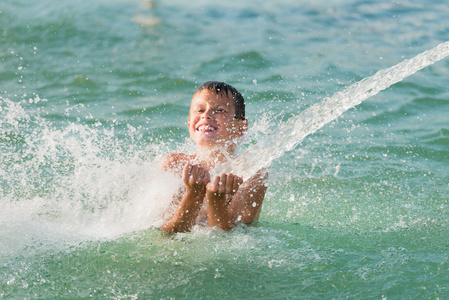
(293, 132)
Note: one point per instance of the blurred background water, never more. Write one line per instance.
(94, 93)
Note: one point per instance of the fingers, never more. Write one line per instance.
(225, 184)
(194, 174)
(206, 176)
(186, 171)
(229, 183)
(202, 176)
(222, 184)
(236, 183)
(214, 184)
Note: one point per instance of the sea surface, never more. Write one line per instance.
(94, 93)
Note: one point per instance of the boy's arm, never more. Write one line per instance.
(217, 207)
(185, 215)
(245, 204)
(195, 179)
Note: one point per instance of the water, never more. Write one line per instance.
(94, 93)
(287, 136)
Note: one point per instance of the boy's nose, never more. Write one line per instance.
(208, 114)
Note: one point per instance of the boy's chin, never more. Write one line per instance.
(214, 144)
(209, 144)
(206, 137)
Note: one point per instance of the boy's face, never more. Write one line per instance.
(211, 121)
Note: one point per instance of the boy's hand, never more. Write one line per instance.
(195, 178)
(224, 184)
(216, 190)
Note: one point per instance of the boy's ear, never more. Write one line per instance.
(188, 126)
(245, 125)
(242, 126)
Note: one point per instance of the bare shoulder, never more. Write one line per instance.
(256, 185)
(247, 202)
(174, 162)
(260, 177)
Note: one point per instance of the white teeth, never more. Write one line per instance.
(206, 128)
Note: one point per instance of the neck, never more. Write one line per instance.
(215, 156)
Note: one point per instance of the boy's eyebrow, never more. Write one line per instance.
(213, 106)
(221, 106)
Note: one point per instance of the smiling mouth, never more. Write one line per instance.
(206, 128)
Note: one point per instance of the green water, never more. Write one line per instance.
(94, 93)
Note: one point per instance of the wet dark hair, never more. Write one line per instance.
(226, 90)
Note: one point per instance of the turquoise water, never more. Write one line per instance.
(94, 93)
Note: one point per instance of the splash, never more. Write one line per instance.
(65, 178)
(293, 132)
(72, 181)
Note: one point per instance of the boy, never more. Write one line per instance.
(216, 121)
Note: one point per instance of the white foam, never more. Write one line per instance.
(74, 182)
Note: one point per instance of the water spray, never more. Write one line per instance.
(293, 132)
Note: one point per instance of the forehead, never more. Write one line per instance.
(206, 97)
